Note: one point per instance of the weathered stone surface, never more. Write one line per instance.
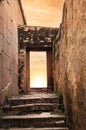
(22, 70)
(36, 112)
(10, 18)
(33, 97)
(0, 62)
(30, 108)
(33, 36)
(34, 120)
(70, 62)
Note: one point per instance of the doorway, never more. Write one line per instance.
(38, 69)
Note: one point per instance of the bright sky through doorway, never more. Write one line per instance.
(38, 73)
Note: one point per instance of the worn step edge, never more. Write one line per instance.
(34, 116)
(16, 101)
(31, 107)
(27, 105)
(35, 120)
(60, 128)
(30, 124)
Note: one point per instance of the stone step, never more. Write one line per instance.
(54, 128)
(28, 108)
(42, 120)
(33, 98)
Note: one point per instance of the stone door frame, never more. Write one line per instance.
(49, 67)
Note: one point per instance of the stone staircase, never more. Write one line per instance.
(35, 111)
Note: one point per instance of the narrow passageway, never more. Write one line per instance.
(34, 108)
(28, 26)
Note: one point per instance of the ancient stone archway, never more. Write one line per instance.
(34, 39)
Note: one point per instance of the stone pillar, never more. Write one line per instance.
(49, 71)
(22, 70)
(27, 71)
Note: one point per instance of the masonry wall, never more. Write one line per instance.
(10, 18)
(70, 62)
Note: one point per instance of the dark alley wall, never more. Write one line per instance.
(10, 17)
(69, 51)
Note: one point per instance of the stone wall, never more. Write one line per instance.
(34, 38)
(69, 51)
(10, 17)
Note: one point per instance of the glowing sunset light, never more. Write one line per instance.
(38, 82)
(38, 73)
(46, 13)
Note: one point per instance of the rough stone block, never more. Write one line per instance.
(0, 62)
(2, 27)
(1, 9)
(15, 79)
(10, 25)
(0, 80)
(1, 43)
(5, 60)
(5, 77)
(11, 76)
(6, 47)
(10, 64)
(15, 67)
(9, 36)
